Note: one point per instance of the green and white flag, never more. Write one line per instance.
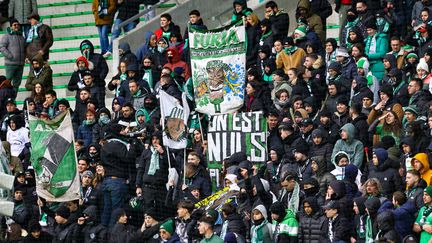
(53, 158)
(218, 60)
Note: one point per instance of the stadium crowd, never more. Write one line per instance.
(349, 130)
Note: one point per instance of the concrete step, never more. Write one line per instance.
(75, 31)
(85, 18)
(65, 9)
(73, 43)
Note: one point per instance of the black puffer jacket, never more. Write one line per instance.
(311, 226)
(386, 228)
(91, 231)
(322, 176)
(99, 62)
(389, 177)
(323, 149)
(235, 224)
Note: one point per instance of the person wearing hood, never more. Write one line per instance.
(41, 72)
(386, 104)
(337, 191)
(119, 83)
(321, 147)
(126, 55)
(93, 156)
(381, 169)
(12, 47)
(6, 92)
(336, 226)
(400, 86)
(311, 221)
(103, 12)
(285, 224)
(355, 36)
(358, 89)
(341, 115)
(278, 18)
(386, 227)
(350, 145)
(149, 73)
(264, 55)
(76, 82)
(372, 205)
(404, 214)
(376, 49)
(340, 161)
(103, 119)
(240, 9)
(420, 163)
(359, 219)
(353, 21)
(149, 47)
(314, 21)
(272, 171)
(423, 223)
(174, 61)
(281, 102)
(290, 57)
(311, 188)
(261, 230)
(99, 63)
(88, 228)
(319, 169)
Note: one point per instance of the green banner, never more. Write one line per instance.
(218, 60)
(53, 158)
(231, 133)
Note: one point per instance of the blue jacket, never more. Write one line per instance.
(85, 133)
(404, 219)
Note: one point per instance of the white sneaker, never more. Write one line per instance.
(107, 54)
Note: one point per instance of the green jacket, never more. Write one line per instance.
(381, 47)
(289, 226)
(213, 239)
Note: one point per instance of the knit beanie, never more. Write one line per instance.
(412, 54)
(152, 213)
(422, 65)
(428, 190)
(301, 31)
(279, 209)
(342, 52)
(302, 147)
(387, 89)
(63, 212)
(168, 226)
(364, 64)
(336, 66)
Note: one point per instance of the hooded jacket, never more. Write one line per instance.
(322, 176)
(245, 10)
(388, 177)
(314, 21)
(262, 232)
(386, 226)
(176, 62)
(426, 172)
(351, 146)
(145, 48)
(100, 64)
(91, 231)
(340, 172)
(287, 228)
(311, 226)
(43, 76)
(127, 55)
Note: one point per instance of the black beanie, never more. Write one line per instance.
(387, 89)
(279, 209)
(63, 212)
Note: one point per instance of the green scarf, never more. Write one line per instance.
(369, 229)
(154, 161)
(103, 8)
(11, 32)
(33, 33)
(137, 94)
(266, 35)
(258, 232)
(148, 77)
(290, 50)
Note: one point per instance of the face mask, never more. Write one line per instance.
(82, 68)
(93, 154)
(104, 120)
(258, 222)
(310, 192)
(170, 58)
(160, 49)
(351, 18)
(89, 122)
(37, 69)
(360, 12)
(147, 67)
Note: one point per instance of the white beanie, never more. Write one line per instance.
(342, 52)
(422, 65)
